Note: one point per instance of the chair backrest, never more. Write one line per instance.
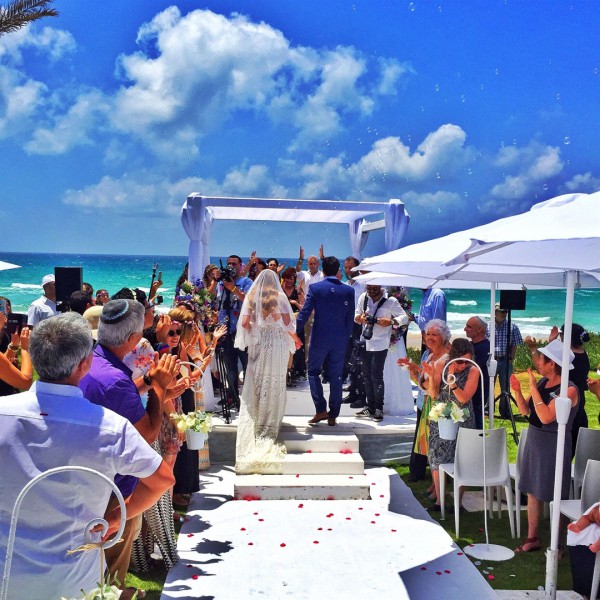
(590, 492)
(468, 460)
(521, 448)
(588, 446)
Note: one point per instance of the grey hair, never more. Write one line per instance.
(113, 335)
(441, 327)
(59, 344)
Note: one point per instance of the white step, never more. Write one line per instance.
(323, 463)
(302, 487)
(315, 442)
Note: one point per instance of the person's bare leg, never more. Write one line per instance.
(534, 510)
(436, 483)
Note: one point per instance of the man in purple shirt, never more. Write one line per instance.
(109, 384)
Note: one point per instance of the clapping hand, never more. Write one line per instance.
(531, 343)
(219, 332)
(532, 379)
(164, 370)
(23, 338)
(515, 384)
(162, 328)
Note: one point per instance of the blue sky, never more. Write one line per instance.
(112, 113)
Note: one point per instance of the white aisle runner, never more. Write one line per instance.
(315, 549)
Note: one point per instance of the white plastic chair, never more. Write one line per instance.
(588, 447)
(515, 473)
(468, 465)
(87, 529)
(590, 493)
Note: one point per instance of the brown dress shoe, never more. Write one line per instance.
(322, 416)
(331, 422)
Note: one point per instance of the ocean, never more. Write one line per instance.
(544, 308)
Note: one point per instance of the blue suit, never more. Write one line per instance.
(333, 303)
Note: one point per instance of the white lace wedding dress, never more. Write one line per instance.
(263, 398)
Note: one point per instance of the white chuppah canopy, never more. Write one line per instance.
(199, 212)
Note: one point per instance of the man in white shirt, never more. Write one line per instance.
(304, 280)
(53, 425)
(376, 313)
(45, 306)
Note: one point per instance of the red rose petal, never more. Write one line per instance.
(43, 414)
(320, 529)
(460, 553)
(373, 522)
(381, 496)
(377, 514)
(438, 572)
(194, 576)
(190, 535)
(261, 519)
(300, 505)
(254, 513)
(330, 497)
(491, 577)
(250, 543)
(329, 529)
(309, 452)
(348, 519)
(360, 508)
(423, 568)
(350, 477)
(446, 570)
(393, 531)
(189, 566)
(315, 542)
(243, 529)
(297, 474)
(282, 545)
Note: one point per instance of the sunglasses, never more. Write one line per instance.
(461, 362)
(173, 332)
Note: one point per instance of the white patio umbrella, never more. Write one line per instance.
(4, 266)
(563, 234)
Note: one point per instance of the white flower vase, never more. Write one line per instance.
(194, 439)
(448, 429)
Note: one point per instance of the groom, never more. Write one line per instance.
(333, 306)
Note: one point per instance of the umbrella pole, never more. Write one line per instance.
(563, 409)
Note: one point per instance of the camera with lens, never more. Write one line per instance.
(370, 321)
(227, 272)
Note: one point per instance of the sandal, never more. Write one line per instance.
(531, 543)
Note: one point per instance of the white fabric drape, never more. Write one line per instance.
(398, 398)
(396, 224)
(358, 238)
(197, 222)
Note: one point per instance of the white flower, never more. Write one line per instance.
(199, 421)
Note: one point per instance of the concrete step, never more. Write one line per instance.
(323, 463)
(302, 487)
(318, 442)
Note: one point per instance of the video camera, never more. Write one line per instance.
(370, 322)
(227, 272)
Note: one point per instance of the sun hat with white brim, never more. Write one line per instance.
(554, 351)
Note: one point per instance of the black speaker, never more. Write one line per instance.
(513, 299)
(68, 280)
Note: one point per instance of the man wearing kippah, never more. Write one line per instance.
(109, 384)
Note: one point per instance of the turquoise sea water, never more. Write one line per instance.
(544, 307)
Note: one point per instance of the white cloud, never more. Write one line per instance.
(535, 165)
(442, 151)
(52, 43)
(71, 129)
(254, 180)
(582, 182)
(196, 71)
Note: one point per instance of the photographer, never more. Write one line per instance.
(376, 313)
(231, 291)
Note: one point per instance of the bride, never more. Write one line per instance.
(267, 328)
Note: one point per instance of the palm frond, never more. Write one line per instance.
(19, 13)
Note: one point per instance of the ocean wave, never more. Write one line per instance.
(24, 286)
(464, 302)
(530, 319)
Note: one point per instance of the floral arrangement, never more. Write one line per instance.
(199, 421)
(197, 294)
(406, 303)
(104, 591)
(448, 410)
